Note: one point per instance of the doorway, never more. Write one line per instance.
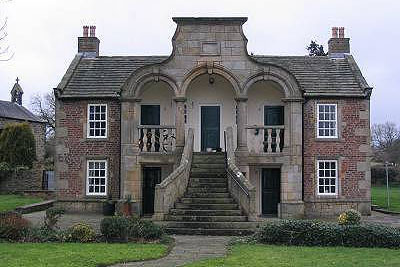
(151, 177)
(210, 127)
(270, 191)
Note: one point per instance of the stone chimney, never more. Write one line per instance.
(88, 45)
(338, 46)
(16, 93)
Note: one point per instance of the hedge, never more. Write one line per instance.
(316, 233)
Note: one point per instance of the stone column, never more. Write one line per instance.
(241, 123)
(180, 123)
(292, 204)
(130, 170)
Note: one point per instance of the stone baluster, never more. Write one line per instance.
(153, 140)
(269, 140)
(145, 140)
(278, 140)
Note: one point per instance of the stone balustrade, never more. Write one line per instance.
(239, 186)
(157, 138)
(265, 139)
(174, 186)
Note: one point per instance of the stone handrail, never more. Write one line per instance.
(239, 186)
(174, 186)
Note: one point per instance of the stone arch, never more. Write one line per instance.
(214, 69)
(136, 89)
(284, 79)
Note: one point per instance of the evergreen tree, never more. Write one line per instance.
(315, 49)
(17, 146)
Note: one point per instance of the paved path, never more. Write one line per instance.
(379, 217)
(187, 249)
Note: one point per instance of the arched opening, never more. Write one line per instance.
(266, 115)
(156, 117)
(210, 108)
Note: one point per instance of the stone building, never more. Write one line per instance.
(13, 112)
(211, 128)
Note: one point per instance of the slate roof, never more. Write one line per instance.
(14, 111)
(104, 76)
(322, 75)
(101, 76)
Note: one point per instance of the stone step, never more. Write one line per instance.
(207, 180)
(197, 206)
(208, 159)
(211, 225)
(195, 218)
(187, 200)
(207, 190)
(208, 185)
(207, 195)
(209, 165)
(211, 171)
(222, 232)
(207, 175)
(194, 212)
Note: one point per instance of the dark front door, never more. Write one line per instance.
(271, 190)
(150, 115)
(151, 177)
(273, 116)
(210, 127)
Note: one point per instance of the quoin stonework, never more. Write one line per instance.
(213, 131)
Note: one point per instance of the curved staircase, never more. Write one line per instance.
(207, 207)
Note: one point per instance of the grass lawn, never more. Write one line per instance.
(378, 195)
(75, 254)
(268, 255)
(10, 202)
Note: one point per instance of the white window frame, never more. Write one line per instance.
(94, 177)
(94, 120)
(336, 121)
(330, 177)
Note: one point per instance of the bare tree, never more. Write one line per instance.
(45, 107)
(5, 52)
(385, 141)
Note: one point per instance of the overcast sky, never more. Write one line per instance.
(43, 36)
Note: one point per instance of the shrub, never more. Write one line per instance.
(349, 217)
(122, 229)
(144, 229)
(53, 214)
(115, 229)
(314, 233)
(43, 234)
(12, 226)
(82, 233)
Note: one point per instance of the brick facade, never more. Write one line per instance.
(73, 149)
(352, 151)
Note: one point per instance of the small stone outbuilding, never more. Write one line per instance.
(14, 112)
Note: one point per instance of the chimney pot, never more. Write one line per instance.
(92, 31)
(85, 31)
(334, 32)
(341, 32)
